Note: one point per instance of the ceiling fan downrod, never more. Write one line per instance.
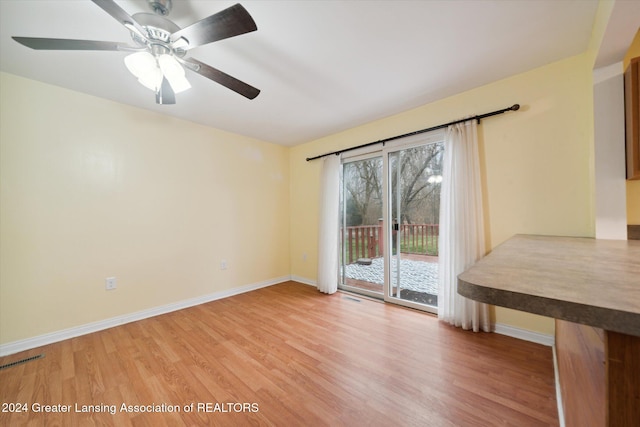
(161, 7)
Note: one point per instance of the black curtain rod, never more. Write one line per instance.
(514, 107)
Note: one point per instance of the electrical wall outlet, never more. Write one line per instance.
(110, 283)
(223, 264)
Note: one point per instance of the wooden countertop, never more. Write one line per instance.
(583, 280)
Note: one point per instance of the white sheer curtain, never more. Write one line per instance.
(328, 228)
(461, 226)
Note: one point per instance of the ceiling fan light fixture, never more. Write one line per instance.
(140, 63)
(152, 80)
(143, 65)
(179, 84)
(174, 72)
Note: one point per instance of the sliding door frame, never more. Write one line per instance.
(384, 152)
(390, 148)
(371, 153)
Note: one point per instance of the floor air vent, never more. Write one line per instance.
(20, 362)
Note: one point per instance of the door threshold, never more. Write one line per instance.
(356, 295)
(361, 296)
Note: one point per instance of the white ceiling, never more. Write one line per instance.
(322, 66)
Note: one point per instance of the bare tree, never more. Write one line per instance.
(363, 185)
(415, 166)
(419, 196)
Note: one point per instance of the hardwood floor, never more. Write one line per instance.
(286, 355)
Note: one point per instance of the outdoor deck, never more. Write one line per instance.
(421, 288)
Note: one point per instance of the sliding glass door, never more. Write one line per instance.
(362, 261)
(414, 180)
(390, 209)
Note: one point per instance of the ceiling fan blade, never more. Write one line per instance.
(165, 94)
(70, 44)
(224, 79)
(121, 16)
(230, 22)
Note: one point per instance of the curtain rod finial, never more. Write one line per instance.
(515, 107)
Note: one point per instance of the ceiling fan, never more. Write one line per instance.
(158, 54)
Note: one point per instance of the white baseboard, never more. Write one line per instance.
(303, 280)
(524, 334)
(29, 343)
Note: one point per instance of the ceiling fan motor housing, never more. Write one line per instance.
(159, 30)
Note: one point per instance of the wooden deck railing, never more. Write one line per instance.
(363, 241)
(367, 241)
(419, 239)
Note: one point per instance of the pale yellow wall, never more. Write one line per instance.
(538, 174)
(633, 187)
(90, 189)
